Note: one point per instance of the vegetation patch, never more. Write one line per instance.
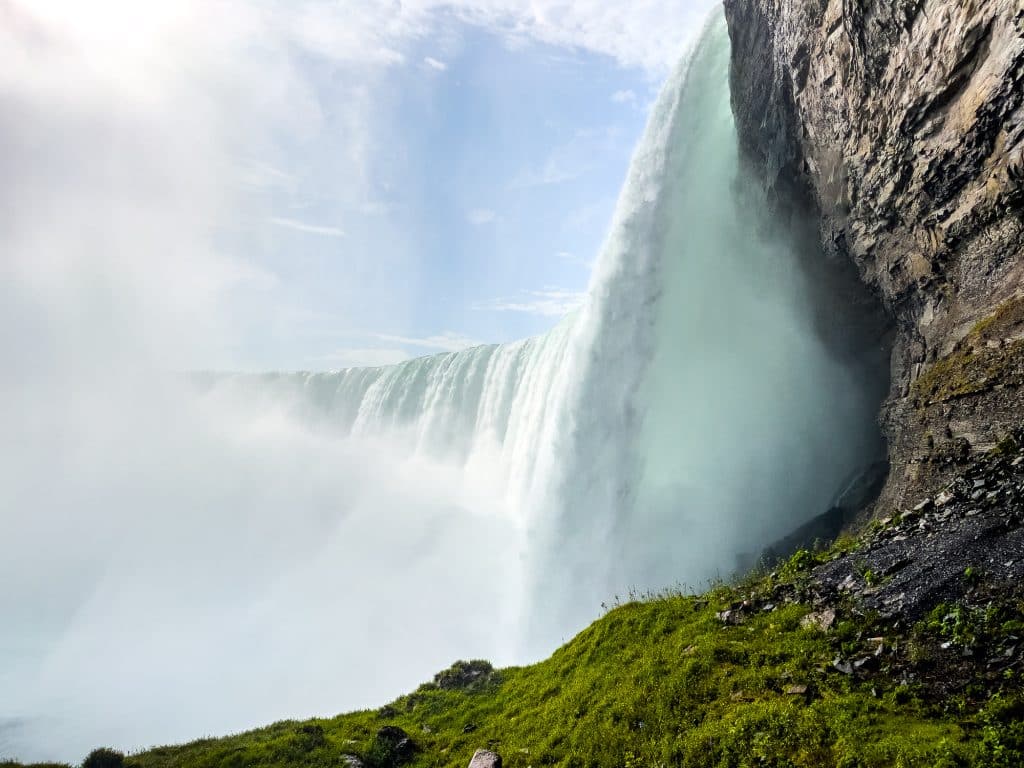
(467, 676)
(992, 353)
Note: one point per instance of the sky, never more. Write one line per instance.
(324, 183)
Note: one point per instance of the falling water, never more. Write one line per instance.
(309, 542)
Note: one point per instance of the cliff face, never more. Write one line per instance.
(899, 125)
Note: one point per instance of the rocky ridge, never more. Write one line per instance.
(899, 127)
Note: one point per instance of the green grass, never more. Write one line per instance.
(656, 683)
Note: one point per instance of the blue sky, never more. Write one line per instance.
(498, 171)
(313, 184)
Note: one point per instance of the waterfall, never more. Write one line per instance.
(684, 416)
(305, 543)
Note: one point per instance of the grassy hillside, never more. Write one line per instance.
(742, 676)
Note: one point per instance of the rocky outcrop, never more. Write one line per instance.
(899, 126)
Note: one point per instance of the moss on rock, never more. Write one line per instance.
(991, 354)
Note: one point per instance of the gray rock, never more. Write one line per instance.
(485, 758)
(820, 620)
(842, 666)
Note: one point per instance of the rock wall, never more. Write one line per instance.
(899, 126)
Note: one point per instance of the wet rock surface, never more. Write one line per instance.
(899, 127)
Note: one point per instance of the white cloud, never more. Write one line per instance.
(312, 229)
(624, 97)
(648, 35)
(482, 216)
(433, 63)
(550, 302)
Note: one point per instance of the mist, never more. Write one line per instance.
(192, 554)
(177, 563)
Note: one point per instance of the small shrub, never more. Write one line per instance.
(1002, 735)
(391, 748)
(310, 736)
(104, 758)
(465, 676)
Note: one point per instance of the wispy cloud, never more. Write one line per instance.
(624, 97)
(362, 358)
(550, 302)
(264, 176)
(312, 229)
(448, 341)
(434, 64)
(590, 216)
(482, 216)
(572, 258)
(569, 160)
(552, 172)
(375, 208)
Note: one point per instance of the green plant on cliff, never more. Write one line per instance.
(988, 355)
